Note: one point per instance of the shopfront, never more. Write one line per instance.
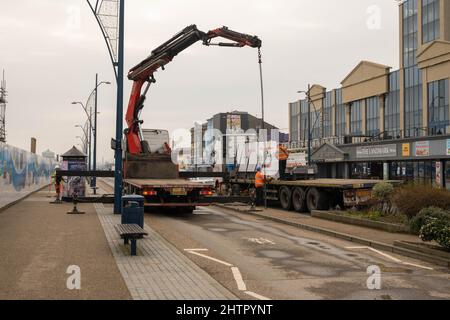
(420, 160)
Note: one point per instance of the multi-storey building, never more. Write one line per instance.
(231, 125)
(384, 123)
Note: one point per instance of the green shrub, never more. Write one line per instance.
(383, 191)
(410, 199)
(419, 220)
(437, 229)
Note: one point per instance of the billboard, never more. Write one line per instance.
(422, 148)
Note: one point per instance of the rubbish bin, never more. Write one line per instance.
(133, 210)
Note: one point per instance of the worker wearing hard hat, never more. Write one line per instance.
(282, 156)
(259, 185)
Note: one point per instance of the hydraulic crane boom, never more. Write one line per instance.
(164, 54)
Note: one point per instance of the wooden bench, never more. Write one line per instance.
(131, 232)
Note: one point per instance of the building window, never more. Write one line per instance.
(316, 122)
(392, 107)
(356, 118)
(372, 117)
(340, 115)
(430, 20)
(327, 114)
(410, 41)
(295, 121)
(413, 102)
(438, 107)
(304, 120)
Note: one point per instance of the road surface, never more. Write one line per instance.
(257, 259)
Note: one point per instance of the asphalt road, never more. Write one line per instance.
(256, 258)
(281, 262)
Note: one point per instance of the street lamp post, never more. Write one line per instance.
(89, 116)
(92, 128)
(308, 97)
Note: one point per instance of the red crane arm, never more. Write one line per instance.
(164, 54)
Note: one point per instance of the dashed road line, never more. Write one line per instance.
(257, 296)
(235, 271)
(238, 278)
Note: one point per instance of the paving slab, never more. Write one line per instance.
(39, 241)
(159, 271)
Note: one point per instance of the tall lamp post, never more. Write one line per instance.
(89, 117)
(93, 128)
(94, 163)
(308, 97)
(113, 32)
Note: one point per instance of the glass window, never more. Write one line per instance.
(410, 42)
(413, 102)
(356, 118)
(303, 120)
(392, 107)
(430, 20)
(372, 117)
(316, 122)
(327, 114)
(295, 121)
(438, 107)
(340, 115)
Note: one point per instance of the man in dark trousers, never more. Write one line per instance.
(282, 157)
(259, 185)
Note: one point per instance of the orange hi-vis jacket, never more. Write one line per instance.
(259, 180)
(282, 154)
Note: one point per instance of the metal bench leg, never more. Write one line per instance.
(133, 247)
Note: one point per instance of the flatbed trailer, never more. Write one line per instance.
(179, 194)
(313, 194)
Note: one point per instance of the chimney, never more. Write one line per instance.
(33, 145)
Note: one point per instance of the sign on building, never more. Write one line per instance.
(406, 150)
(448, 147)
(422, 148)
(369, 152)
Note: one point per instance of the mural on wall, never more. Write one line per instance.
(21, 173)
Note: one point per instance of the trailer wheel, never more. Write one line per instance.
(299, 200)
(286, 198)
(316, 200)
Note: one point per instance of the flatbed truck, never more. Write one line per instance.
(312, 194)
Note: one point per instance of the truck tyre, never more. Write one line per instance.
(286, 198)
(317, 200)
(235, 190)
(299, 200)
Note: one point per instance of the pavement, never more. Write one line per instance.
(38, 243)
(159, 271)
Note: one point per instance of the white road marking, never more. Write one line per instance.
(392, 258)
(385, 255)
(210, 258)
(257, 296)
(235, 270)
(238, 277)
(261, 241)
(417, 265)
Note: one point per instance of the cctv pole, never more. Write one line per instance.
(119, 116)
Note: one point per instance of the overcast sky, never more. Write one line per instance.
(51, 60)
